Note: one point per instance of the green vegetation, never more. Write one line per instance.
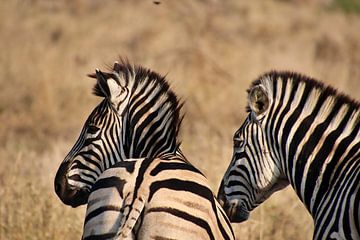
(349, 6)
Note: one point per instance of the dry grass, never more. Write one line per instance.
(210, 51)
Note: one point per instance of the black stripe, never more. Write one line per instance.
(281, 118)
(101, 210)
(139, 179)
(77, 164)
(295, 113)
(353, 190)
(163, 166)
(108, 183)
(77, 178)
(154, 125)
(323, 153)
(86, 155)
(136, 113)
(90, 140)
(357, 206)
(298, 136)
(183, 215)
(181, 185)
(90, 176)
(149, 136)
(128, 165)
(274, 128)
(227, 221)
(330, 168)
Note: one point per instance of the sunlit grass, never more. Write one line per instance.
(210, 51)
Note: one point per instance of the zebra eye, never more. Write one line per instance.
(237, 142)
(92, 129)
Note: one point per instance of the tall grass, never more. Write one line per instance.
(210, 51)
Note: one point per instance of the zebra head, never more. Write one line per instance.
(253, 174)
(138, 117)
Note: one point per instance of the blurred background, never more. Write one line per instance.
(210, 50)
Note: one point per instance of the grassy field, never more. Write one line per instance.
(210, 52)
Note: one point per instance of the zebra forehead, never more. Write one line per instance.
(271, 79)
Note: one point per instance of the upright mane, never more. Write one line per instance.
(137, 79)
(285, 76)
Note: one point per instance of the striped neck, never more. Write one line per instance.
(151, 119)
(314, 133)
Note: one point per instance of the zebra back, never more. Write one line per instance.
(161, 198)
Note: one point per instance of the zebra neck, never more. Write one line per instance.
(318, 141)
(150, 121)
(149, 137)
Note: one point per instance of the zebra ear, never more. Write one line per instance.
(108, 86)
(101, 88)
(258, 100)
(120, 73)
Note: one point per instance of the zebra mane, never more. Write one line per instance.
(138, 76)
(299, 78)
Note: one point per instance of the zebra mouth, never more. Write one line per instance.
(69, 195)
(236, 213)
(75, 198)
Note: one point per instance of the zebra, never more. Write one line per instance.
(139, 116)
(299, 132)
(154, 198)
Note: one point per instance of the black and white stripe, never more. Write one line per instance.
(139, 116)
(301, 132)
(154, 198)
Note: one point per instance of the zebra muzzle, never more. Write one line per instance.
(68, 195)
(235, 211)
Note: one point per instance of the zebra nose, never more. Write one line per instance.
(68, 195)
(60, 181)
(57, 188)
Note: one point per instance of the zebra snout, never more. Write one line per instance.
(237, 213)
(68, 194)
(60, 180)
